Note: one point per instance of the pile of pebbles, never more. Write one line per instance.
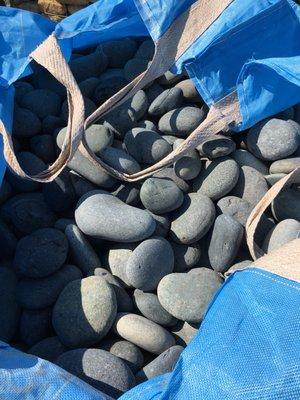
(111, 280)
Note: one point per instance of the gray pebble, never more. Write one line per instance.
(149, 262)
(35, 325)
(101, 215)
(239, 209)
(225, 241)
(244, 158)
(89, 65)
(284, 232)
(146, 50)
(119, 52)
(120, 160)
(146, 146)
(51, 123)
(41, 102)
(134, 68)
(59, 194)
(193, 219)
(25, 123)
(285, 166)
(187, 296)
(35, 294)
(185, 257)
(43, 146)
(273, 139)
(274, 178)
(48, 349)
(166, 101)
(88, 86)
(183, 332)
(41, 253)
(147, 125)
(100, 369)
(218, 178)
(110, 82)
(189, 91)
(169, 78)
(144, 333)
(170, 139)
(84, 312)
(162, 224)
(162, 364)
(81, 185)
(150, 307)
(117, 258)
(89, 107)
(216, 146)
(21, 88)
(8, 242)
(161, 195)
(129, 193)
(181, 121)
(169, 173)
(189, 166)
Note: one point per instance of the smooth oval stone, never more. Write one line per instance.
(43, 146)
(251, 185)
(186, 296)
(225, 241)
(35, 294)
(161, 195)
(216, 146)
(88, 86)
(41, 102)
(274, 178)
(146, 50)
(119, 52)
(244, 158)
(110, 82)
(82, 252)
(239, 209)
(149, 262)
(170, 139)
(162, 364)
(286, 205)
(189, 166)
(181, 121)
(193, 219)
(5, 191)
(284, 232)
(89, 107)
(144, 333)
(8, 242)
(25, 123)
(10, 312)
(166, 101)
(185, 257)
(84, 312)
(48, 349)
(41, 253)
(218, 178)
(183, 332)
(35, 325)
(21, 88)
(169, 173)
(81, 185)
(150, 307)
(120, 160)
(273, 139)
(100, 369)
(135, 67)
(89, 65)
(129, 193)
(101, 215)
(162, 224)
(146, 146)
(285, 166)
(28, 212)
(59, 194)
(117, 258)
(168, 78)
(189, 91)
(51, 123)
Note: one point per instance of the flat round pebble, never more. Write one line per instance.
(149, 262)
(239, 209)
(84, 312)
(144, 333)
(225, 241)
(101, 215)
(41, 102)
(48, 349)
(166, 101)
(218, 178)
(285, 166)
(285, 231)
(161, 195)
(25, 123)
(273, 139)
(185, 257)
(41, 253)
(245, 158)
(100, 369)
(216, 146)
(35, 325)
(181, 121)
(193, 219)
(186, 296)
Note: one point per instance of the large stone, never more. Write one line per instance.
(110, 82)
(48, 349)
(189, 166)
(181, 121)
(166, 101)
(284, 232)
(245, 158)
(285, 166)
(117, 258)
(89, 65)
(237, 208)
(43, 146)
(41, 102)
(120, 160)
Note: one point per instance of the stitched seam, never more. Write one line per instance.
(272, 279)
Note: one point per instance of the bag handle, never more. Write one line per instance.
(49, 55)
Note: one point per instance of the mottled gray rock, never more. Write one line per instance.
(146, 146)
(181, 121)
(25, 123)
(119, 52)
(117, 258)
(244, 158)
(35, 294)
(169, 173)
(144, 333)
(51, 123)
(84, 312)
(161, 195)
(120, 160)
(59, 194)
(162, 364)
(273, 139)
(274, 178)
(285, 166)
(10, 311)
(189, 166)
(89, 65)
(251, 185)
(8, 242)
(88, 86)
(43, 146)
(150, 307)
(89, 107)
(185, 257)
(100, 369)
(135, 67)
(218, 178)
(239, 209)
(104, 216)
(187, 296)
(110, 82)
(41, 253)
(189, 91)
(225, 241)
(193, 219)
(149, 262)
(216, 146)
(21, 88)
(146, 50)
(41, 102)
(168, 78)
(168, 100)
(128, 192)
(48, 349)
(183, 332)
(35, 325)
(162, 224)
(284, 232)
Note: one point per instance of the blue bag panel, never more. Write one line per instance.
(247, 348)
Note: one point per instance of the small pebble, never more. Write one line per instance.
(189, 166)
(189, 91)
(239, 209)
(183, 332)
(51, 123)
(48, 349)
(185, 257)
(216, 146)
(285, 166)
(35, 325)
(117, 258)
(25, 123)
(153, 91)
(285, 231)
(274, 178)
(146, 50)
(166, 101)
(181, 121)
(244, 158)
(41, 102)
(169, 173)
(90, 65)
(120, 160)
(88, 86)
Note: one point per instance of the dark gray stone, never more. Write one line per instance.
(25, 123)
(287, 205)
(88, 86)
(239, 209)
(51, 123)
(169, 173)
(80, 184)
(185, 257)
(59, 194)
(48, 349)
(5, 191)
(128, 192)
(153, 91)
(8, 242)
(162, 224)
(146, 50)
(285, 166)
(284, 232)
(225, 241)
(89, 107)
(84, 312)
(181, 121)
(21, 88)
(119, 52)
(110, 82)
(104, 216)
(43, 79)
(190, 93)
(193, 219)
(90, 65)
(168, 78)
(35, 325)
(149, 262)
(41, 253)
(135, 67)
(166, 101)
(216, 146)
(244, 158)
(43, 146)
(274, 178)
(62, 223)
(117, 258)
(41, 102)
(120, 160)
(189, 166)
(239, 266)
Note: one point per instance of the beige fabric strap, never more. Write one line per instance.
(49, 55)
